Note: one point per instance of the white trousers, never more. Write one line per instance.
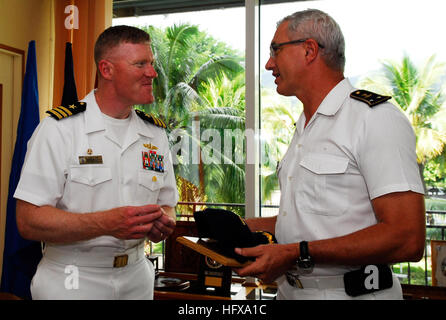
(56, 281)
(287, 292)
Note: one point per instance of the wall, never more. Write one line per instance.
(24, 20)
(20, 22)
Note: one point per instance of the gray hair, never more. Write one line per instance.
(318, 25)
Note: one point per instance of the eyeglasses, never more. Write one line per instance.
(275, 46)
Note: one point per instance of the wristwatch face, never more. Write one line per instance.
(305, 264)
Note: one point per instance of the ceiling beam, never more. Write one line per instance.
(135, 8)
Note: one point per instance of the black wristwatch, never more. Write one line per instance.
(305, 263)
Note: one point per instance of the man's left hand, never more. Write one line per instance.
(162, 227)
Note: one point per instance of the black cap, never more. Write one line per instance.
(230, 231)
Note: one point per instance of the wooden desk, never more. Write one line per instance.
(417, 292)
(184, 263)
(238, 290)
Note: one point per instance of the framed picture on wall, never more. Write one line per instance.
(438, 256)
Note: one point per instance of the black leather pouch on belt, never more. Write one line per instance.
(368, 279)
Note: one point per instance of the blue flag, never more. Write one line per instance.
(20, 256)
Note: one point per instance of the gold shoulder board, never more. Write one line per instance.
(371, 98)
(62, 112)
(150, 118)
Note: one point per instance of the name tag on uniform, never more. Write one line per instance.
(90, 160)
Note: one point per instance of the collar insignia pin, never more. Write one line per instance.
(150, 146)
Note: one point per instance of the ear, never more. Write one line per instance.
(106, 69)
(311, 50)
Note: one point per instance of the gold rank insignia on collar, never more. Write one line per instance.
(150, 118)
(62, 112)
(371, 98)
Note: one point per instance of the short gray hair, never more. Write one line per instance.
(318, 25)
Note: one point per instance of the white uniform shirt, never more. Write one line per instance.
(347, 155)
(52, 174)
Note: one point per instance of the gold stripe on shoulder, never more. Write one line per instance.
(60, 110)
(162, 123)
(67, 111)
(151, 118)
(158, 121)
(55, 114)
(155, 120)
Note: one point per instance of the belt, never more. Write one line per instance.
(95, 259)
(327, 282)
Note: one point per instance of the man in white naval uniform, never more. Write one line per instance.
(351, 194)
(88, 188)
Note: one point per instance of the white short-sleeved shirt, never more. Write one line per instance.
(347, 155)
(53, 174)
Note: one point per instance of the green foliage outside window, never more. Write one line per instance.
(419, 92)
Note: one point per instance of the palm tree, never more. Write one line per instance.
(224, 112)
(419, 93)
(185, 58)
(191, 67)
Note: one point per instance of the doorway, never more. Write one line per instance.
(11, 79)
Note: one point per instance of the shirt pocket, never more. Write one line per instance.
(151, 180)
(323, 185)
(90, 175)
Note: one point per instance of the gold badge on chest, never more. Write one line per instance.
(90, 159)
